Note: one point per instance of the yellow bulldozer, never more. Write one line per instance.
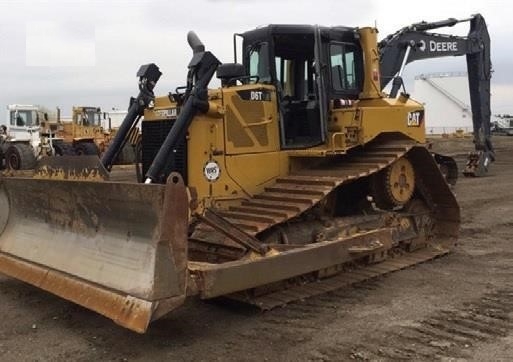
(295, 177)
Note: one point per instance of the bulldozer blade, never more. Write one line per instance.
(84, 167)
(116, 248)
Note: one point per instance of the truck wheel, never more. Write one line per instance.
(63, 149)
(86, 148)
(20, 156)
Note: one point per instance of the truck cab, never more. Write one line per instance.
(23, 122)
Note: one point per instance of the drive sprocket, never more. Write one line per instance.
(394, 185)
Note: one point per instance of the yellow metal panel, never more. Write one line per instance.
(390, 115)
(206, 144)
(244, 169)
(371, 84)
(251, 125)
(254, 171)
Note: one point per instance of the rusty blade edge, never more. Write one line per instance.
(127, 311)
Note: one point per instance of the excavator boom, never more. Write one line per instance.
(414, 42)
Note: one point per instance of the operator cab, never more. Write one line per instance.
(89, 117)
(310, 66)
(24, 118)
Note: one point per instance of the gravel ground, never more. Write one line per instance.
(458, 307)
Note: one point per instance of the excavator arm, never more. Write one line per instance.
(414, 43)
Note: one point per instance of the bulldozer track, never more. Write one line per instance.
(273, 300)
(444, 334)
(292, 195)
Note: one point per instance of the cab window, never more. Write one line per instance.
(93, 118)
(342, 62)
(259, 62)
(24, 118)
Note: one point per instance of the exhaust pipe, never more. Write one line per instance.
(195, 42)
(201, 70)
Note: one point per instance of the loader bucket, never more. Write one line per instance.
(119, 249)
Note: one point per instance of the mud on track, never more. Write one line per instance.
(458, 306)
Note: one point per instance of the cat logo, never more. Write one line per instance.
(415, 118)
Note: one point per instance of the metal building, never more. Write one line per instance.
(446, 99)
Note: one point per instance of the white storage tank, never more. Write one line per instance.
(114, 118)
(446, 99)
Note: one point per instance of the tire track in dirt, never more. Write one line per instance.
(300, 321)
(442, 335)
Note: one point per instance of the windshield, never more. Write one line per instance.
(24, 118)
(91, 117)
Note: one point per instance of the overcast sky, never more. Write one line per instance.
(71, 52)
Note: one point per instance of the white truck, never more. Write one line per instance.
(26, 136)
(502, 124)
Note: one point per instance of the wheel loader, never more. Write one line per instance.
(295, 177)
(88, 135)
(85, 132)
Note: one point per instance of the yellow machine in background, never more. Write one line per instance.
(297, 176)
(85, 132)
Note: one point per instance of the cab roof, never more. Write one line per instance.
(336, 32)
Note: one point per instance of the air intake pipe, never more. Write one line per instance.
(201, 70)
